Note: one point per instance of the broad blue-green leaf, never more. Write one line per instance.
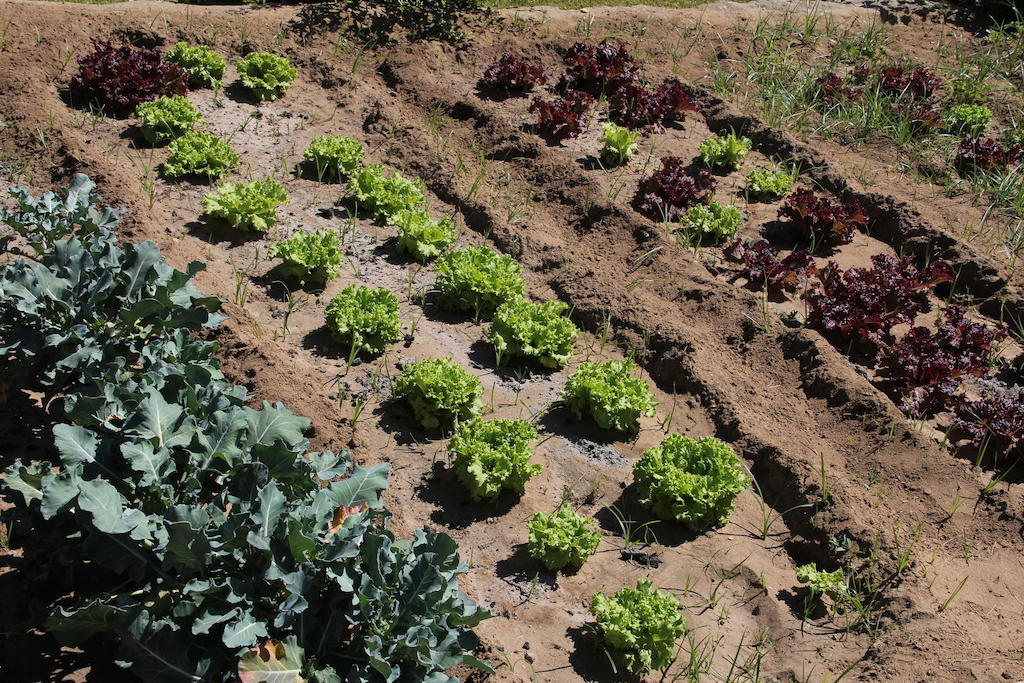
(26, 480)
(211, 616)
(275, 423)
(100, 499)
(272, 503)
(362, 487)
(59, 490)
(72, 627)
(244, 631)
(158, 420)
(144, 458)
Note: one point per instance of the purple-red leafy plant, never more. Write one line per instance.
(988, 155)
(918, 83)
(934, 362)
(919, 113)
(121, 78)
(862, 305)
(636, 106)
(994, 423)
(508, 72)
(820, 218)
(562, 118)
(671, 191)
(601, 68)
(830, 88)
(762, 266)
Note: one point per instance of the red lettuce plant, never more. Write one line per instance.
(919, 113)
(511, 73)
(919, 83)
(994, 423)
(763, 267)
(636, 106)
(820, 218)
(932, 364)
(599, 68)
(830, 87)
(670, 191)
(562, 118)
(121, 78)
(987, 155)
(862, 305)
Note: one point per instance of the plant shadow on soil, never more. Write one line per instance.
(661, 532)
(522, 569)
(215, 231)
(454, 508)
(589, 659)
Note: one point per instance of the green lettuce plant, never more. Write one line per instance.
(422, 237)
(564, 538)
(618, 144)
(712, 223)
(265, 74)
(725, 151)
(477, 280)
(201, 154)
(691, 482)
(166, 118)
(493, 456)
(440, 392)
(247, 206)
(536, 331)
(769, 184)
(968, 119)
(364, 319)
(205, 68)
(385, 195)
(334, 156)
(821, 583)
(607, 392)
(640, 626)
(309, 256)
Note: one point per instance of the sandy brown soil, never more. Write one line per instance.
(787, 400)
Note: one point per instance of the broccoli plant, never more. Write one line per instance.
(765, 185)
(167, 117)
(383, 195)
(309, 256)
(618, 144)
(334, 156)
(493, 456)
(267, 75)
(691, 482)
(710, 224)
(640, 626)
(205, 68)
(564, 538)
(364, 319)
(609, 393)
(968, 119)
(440, 392)
(725, 151)
(247, 206)
(120, 79)
(539, 331)
(200, 154)
(422, 237)
(477, 280)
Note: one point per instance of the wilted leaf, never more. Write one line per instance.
(272, 662)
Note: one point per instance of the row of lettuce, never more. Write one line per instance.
(235, 550)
